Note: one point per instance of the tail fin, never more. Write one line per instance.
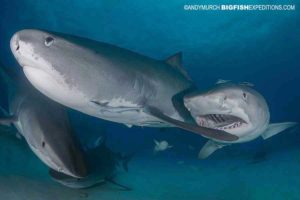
(125, 161)
(110, 180)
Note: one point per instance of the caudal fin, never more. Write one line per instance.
(125, 160)
(110, 180)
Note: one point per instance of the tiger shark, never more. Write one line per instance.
(108, 82)
(236, 109)
(45, 126)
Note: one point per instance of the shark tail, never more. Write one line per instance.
(110, 180)
(125, 160)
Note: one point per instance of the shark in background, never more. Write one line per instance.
(236, 109)
(45, 126)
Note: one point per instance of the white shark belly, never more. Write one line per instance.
(54, 87)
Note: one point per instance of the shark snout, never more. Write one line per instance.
(22, 45)
(14, 43)
(17, 47)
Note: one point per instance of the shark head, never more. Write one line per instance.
(48, 63)
(236, 109)
(31, 47)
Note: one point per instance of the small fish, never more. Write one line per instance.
(161, 146)
(247, 84)
(221, 81)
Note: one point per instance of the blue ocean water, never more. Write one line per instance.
(261, 47)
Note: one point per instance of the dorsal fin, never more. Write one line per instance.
(176, 62)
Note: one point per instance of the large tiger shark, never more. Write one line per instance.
(107, 81)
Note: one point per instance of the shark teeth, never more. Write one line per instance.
(220, 121)
(231, 126)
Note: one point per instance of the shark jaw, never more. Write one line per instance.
(225, 122)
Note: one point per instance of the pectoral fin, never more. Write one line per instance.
(209, 148)
(273, 129)
(7, 121)
(205, 132)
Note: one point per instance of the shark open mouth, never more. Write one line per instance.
(220, 121)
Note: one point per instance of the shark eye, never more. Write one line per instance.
(244, 95)
(49, 41)
(43, 144)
